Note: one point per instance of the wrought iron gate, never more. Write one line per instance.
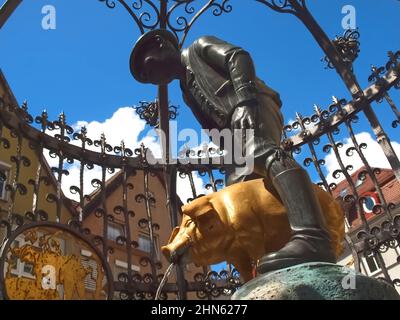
(38, 234)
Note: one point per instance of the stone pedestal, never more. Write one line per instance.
(316, 281)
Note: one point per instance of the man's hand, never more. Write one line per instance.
(244, 117)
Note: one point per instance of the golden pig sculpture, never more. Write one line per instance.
(239, 224)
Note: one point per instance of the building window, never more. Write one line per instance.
(4, 174)
(19, 268)
(115, 230)
(90, 279)
(28, 268)
(359, 182)
(96, 273)
(145, 244)
(369, 204)
(373, 266)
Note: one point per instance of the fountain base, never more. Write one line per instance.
(316, 281)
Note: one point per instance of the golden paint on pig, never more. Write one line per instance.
(240, 224)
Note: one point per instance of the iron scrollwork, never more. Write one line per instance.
(216, 284)
(149, 111)
(305, 131)
(348, 46)
(148, 16)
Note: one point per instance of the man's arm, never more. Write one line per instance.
(232, 60)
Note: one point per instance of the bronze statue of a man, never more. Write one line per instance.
(219, 84)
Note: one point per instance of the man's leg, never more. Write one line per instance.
(286, 179)
(310, 241)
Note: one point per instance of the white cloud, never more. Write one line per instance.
(184, 190)
(124, 125)
(373, 153)
(183, 187)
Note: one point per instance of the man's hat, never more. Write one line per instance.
(139, 48)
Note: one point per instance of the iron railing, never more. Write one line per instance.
(373, 236)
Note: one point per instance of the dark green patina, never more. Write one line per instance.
(316, 281)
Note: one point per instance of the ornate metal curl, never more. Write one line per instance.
(147, 16)
(183, 24)
(149, 112)
(348, 47)
(215, 284)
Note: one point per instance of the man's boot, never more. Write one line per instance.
(310, 241)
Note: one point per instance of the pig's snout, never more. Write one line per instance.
(174, 252)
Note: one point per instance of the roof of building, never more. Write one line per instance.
(363, 182)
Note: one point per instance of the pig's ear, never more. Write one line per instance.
(209, 223)
(197, 207)
(173, 234)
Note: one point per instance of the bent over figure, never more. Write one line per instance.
(219, 84)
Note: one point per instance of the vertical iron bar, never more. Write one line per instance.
(62, 126)
(150, 226)
(170, 178)
(354, 253)
(368, 168)
(126, 215)
(169, 171)
(104, 209)
(318, 167)
(81, 187)
(312, 149)
(103, 145)
(360, 209)
(212, 180)
(36, 187)
(81, 175)
(173, 212)
(17, 159)
(2, 106)
(192, 186)
(163, 14)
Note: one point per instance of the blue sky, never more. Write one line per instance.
(82, 66)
